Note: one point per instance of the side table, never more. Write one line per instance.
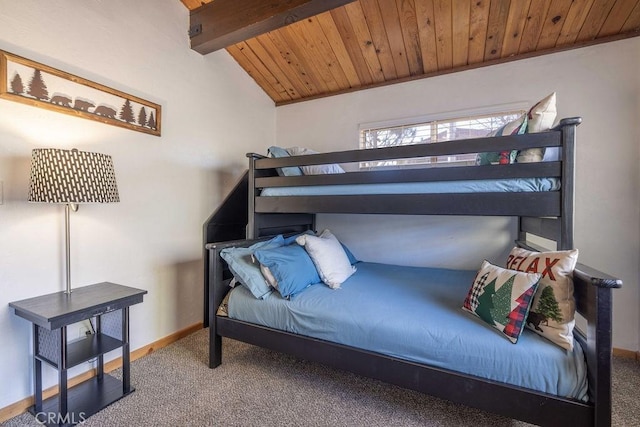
(50, 314)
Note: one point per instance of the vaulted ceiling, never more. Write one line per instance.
(366, 43)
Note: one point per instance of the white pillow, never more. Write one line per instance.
(314, 169)
(328, 256)
(541, 118)
(543, 114)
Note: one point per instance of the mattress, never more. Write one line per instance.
(414, 313)
(435, 187)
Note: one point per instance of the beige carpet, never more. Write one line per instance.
(257, 387)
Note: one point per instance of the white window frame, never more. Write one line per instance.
(513, 108)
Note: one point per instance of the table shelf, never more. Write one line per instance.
(83, 400)
(86, 349)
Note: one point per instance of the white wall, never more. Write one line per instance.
(168, 185)
(599, 83)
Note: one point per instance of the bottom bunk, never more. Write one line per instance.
(437, 349)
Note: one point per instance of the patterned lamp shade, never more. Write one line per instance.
(72, 176)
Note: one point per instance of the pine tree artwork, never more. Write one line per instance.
(17, 86)
(485, 302)
(548, 306)
(152, 121)
(126, 113)
(37, 87)
(517, 315)
(471, 301)
(142, 117)
(502, 302)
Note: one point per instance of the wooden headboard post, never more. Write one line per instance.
(213, 296)
(594, 302)
(568, 128)
(251, 223)
(592, 290)
(216, 287)
(558, 229)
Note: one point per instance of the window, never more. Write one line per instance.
(429, 132)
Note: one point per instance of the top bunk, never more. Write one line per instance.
(532, 190)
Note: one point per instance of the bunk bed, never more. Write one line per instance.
(545, 212)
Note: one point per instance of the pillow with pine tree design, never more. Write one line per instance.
(552, 313)
(502, 298)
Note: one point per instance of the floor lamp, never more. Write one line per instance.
(71, 177)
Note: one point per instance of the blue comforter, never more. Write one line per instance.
(414, 313)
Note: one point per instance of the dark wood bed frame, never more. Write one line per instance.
(545, 214)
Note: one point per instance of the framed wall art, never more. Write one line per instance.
(39, 85)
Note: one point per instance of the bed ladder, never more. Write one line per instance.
(228, 222)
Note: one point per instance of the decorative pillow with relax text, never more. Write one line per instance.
(502, 298)
(552, 314)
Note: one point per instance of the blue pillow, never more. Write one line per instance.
(291, 266)
(245, 270)
(352, 258)
(286, 171)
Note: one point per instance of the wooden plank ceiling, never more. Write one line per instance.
(368, 43)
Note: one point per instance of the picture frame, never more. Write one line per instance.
(38, 85)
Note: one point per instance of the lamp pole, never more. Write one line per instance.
(67, 241)
(67, 247)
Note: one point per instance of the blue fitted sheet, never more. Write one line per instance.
(436, 187)
(414, 313)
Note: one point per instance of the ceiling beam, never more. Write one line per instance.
(223, 23)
